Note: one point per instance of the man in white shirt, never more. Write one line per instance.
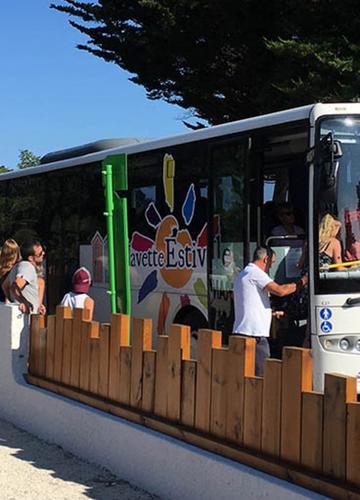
(252, 304)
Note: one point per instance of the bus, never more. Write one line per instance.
(198, 205)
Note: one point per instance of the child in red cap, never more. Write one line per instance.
(78, 297)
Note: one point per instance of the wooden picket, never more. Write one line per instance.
(214, 401)
(339, 390)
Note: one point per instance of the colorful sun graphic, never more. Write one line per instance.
(173, 254)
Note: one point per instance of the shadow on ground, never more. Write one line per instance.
(96, 483)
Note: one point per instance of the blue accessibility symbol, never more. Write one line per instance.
(325, 314)
(326, 326)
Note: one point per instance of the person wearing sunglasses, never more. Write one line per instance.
(23, 279)
(287, 226)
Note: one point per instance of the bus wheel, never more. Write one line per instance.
(192, 317)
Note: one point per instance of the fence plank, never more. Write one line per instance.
(241, 363)
(178, 349)
(62, 313)
(188, 382)
(271, 412)
(312, 430)
(104, 345)
(89, 330)
(94, 364)
(353, 443)
(141, 341)
(149, 370)
(50, 346)
(296, 377)
(67, 344)
(339, 390)
(80, 315)
(42, 352)
(160, 406)
(253, 412)
(34, 344)
(119, 336)
(125, 375)
(207, 340)
(218, 401)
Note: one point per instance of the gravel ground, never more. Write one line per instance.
(33, 469)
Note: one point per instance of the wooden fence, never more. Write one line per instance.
(275, 423)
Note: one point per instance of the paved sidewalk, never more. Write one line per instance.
(32, 469)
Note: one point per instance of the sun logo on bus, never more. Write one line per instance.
(172, 254)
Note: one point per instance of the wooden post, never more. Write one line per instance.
(241, 363)
(67, 344)
(104, 345)
(339, 390)
(62, 313)
(219, 391)
(80, 315)
(296, 377)
(90, 330)
(253, 412)
(160, 406)
(178, 349)
(42, 352)
(141, 341)
(312, 430)
(353, 443)
(188, 382)
(149, 370)
(271, 411)
(34, 341)
(119, 336)
(50, 347)
(125, 375)
(207, 340)
(94, 364)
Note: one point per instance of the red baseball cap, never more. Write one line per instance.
(81, 280)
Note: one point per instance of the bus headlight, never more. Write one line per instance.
(328, 344)
(344, 344)
(357, 345)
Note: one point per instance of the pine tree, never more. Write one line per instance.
(229, 59)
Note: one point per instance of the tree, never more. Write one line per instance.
(27, 159)
(230, 59)
(4, 169)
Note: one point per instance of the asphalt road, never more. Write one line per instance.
(33, 469)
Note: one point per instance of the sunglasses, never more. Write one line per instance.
(39, 254)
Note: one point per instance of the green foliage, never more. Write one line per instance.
(228, 59)
(4, 169)
(27, 159)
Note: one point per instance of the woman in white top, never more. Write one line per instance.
(78, 297)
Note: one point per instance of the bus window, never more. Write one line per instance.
(229, 228)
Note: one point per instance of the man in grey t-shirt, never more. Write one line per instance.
(23, 279)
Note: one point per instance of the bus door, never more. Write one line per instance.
(284, 228)
(232, 226)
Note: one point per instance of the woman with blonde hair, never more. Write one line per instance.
(9, 256)
(329, 245)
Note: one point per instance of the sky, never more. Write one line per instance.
(54, 96)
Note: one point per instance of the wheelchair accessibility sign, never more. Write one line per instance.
(326, 327)
(325, 313)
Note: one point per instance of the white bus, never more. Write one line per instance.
(198, 204)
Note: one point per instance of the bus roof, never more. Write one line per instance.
(295, 114)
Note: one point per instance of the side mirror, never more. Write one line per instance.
(330, 153)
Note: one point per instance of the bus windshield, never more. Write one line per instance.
(337, 205)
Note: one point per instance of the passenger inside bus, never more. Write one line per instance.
(287, 226)
(329, 245)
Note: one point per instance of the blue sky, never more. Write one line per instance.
(54, 96)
